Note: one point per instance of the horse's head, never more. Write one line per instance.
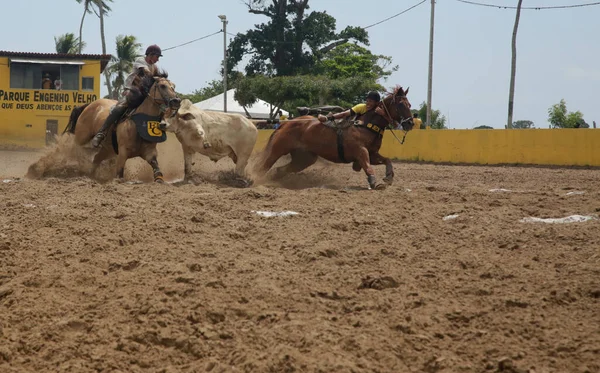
(398, 106)
(161, 90)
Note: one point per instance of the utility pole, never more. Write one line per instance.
(513, 68)
(224, 20)
(430, 80)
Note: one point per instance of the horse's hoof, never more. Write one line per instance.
(97, 140)
(243, 183)
(380, 186)
(159, 180)
(388, 180)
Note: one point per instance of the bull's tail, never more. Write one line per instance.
(75, 113)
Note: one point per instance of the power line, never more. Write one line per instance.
(395, 15)
(530, 7)
(366, 27)
(193, 41)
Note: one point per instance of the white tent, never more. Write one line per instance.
(259, 110)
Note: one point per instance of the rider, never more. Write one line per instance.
(133, 97)
(371, 103)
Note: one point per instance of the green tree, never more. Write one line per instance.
(121, 65)
(438, 121)
(291, 41)
(67, 43)
(559, 117)
(483, 128)
(348, 60)
(288, 92)
(523, 124)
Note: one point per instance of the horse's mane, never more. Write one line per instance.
(148, 79)
(397, 89)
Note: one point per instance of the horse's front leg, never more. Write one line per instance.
(363, 160)
(121, 159)
(150, 154)
(377, 159)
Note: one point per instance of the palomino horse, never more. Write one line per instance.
(131, 140)
(306, 138)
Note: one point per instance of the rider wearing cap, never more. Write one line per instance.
(133, 97)
(371, 103)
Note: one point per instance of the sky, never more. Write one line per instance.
(557, 53)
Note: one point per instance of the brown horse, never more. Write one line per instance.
(306, 138)
(86, 120)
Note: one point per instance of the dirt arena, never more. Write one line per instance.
(129, 277)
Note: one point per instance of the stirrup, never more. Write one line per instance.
(97, 140)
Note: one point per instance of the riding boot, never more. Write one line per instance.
(113, 117)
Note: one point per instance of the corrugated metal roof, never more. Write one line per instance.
(103, 58)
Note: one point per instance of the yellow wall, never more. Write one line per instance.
(24, 112)
(578, 147)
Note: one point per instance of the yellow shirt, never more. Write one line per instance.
(360, 109)
(283, 117)
(418, 122)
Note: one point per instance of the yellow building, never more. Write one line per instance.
(39, 90)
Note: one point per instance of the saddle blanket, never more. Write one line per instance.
(147, 127)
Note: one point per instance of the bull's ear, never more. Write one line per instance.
(186, 116)
(185, 108)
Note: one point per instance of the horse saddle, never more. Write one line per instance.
(340, 124)
(125, 115)
(303, 110)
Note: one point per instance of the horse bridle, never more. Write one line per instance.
(165, 100)
(389, 116)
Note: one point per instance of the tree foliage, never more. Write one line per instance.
(291, 41)
(296, 58)
(523, 124)
(348, 60)
(438, 121)
(484, 127)
(289, 92)
(128, 49)
(559, 117)
(67, 43)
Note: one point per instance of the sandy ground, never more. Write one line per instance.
(118, 277)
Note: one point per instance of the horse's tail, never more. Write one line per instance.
(75, 113)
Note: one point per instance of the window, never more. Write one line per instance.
(25, 75)
(87, 83)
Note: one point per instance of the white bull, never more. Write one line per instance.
(214, 134)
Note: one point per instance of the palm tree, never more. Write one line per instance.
(86, 9)
(513, 67)
(127, 51)
(103, 9)
(68, 43)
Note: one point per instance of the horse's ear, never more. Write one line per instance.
(406, 92)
